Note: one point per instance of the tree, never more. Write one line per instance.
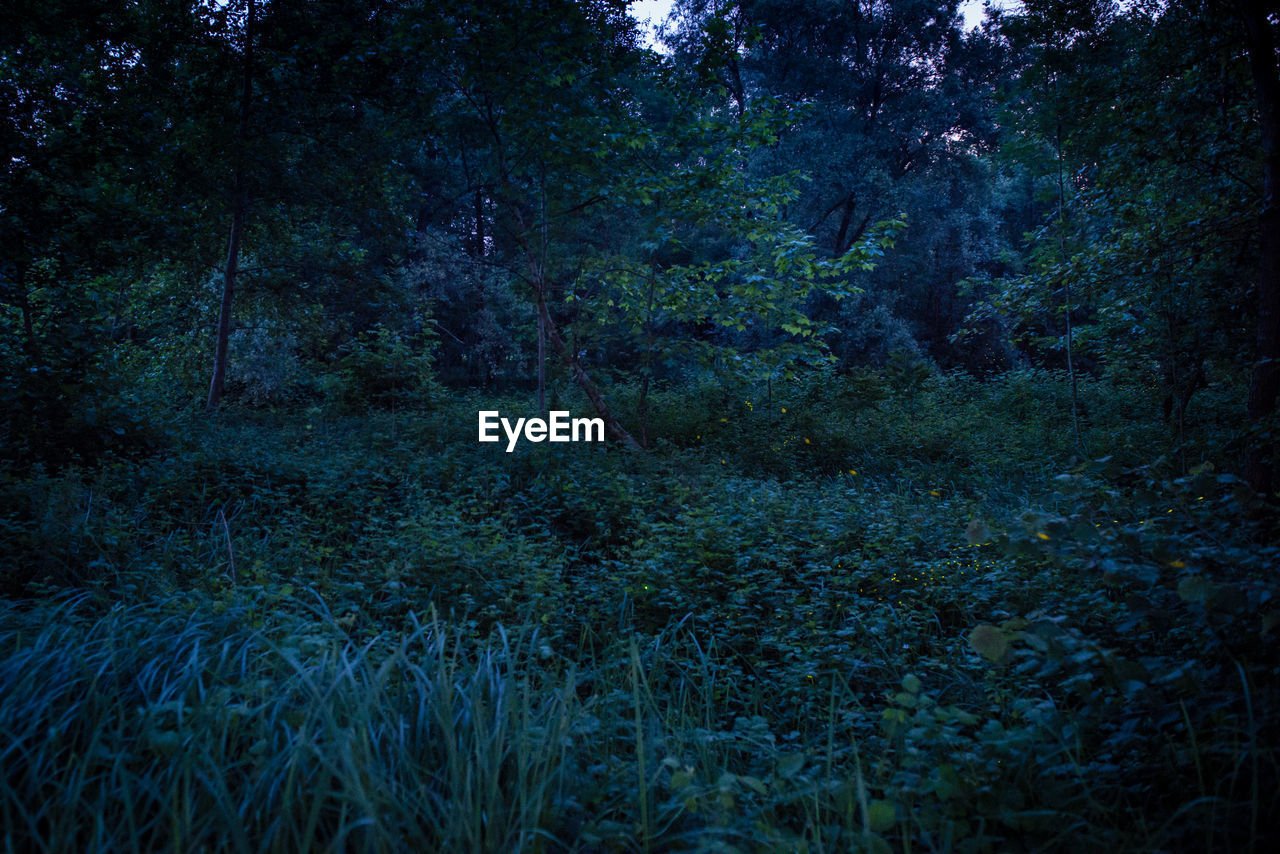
(317, 140)
(239, 210)
(532, 107)
(1145, 113)
(85, 205)
(1265, 382)
(717, 279)
(893, 113)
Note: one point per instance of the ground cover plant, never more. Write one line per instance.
(320, 633)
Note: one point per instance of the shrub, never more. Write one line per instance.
(381, 368)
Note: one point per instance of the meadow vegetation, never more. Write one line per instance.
(835, 618)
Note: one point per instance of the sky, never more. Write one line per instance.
(657, 10)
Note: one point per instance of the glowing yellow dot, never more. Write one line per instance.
(935, 493)
(1042, 535)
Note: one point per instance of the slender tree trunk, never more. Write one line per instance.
(540, 282)
(644, 411)
(648, 363)
(542, 356)
(846, 219)
(240, 204)
(1264, 386)
(30, 344)
(580, 376)
(547, 331)
(735, 73)
(844, 240)
(1066, 287)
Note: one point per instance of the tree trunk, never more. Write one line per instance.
(648, 362)
(30, 344)
(583, 380)
(1264, 386)
(240, 204)
(540, 282)
(844, 240)
(1066, 284)
(542, 356)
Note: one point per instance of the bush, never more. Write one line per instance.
(381, 369)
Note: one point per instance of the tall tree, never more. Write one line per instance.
(87, 203)
(533, 105)
(239, 210)
(1148, 109)
(896, 109)
(317, 136)
(1264, 385)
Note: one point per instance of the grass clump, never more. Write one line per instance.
(172, 727)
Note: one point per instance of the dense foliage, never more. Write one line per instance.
(937, 509)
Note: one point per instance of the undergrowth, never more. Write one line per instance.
(832, 617)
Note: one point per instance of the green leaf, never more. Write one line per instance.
(989, 642)
(1195, 588)
(790, 766)
(881, 816)
(166, 742)
(976, 532)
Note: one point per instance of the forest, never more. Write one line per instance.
(935, 352)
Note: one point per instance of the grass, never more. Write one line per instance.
(311, 632)
(160, 726)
